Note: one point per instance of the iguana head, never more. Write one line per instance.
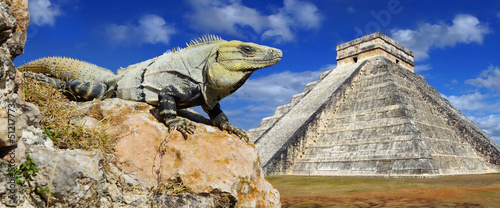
(234, 61)
(226, 65)
(240, 56)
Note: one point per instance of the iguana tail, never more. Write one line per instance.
(68, 68)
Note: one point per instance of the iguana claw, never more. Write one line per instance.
(232, 129)
(182, 125)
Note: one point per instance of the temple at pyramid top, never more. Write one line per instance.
(375, 44)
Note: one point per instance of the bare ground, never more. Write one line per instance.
(450, 191)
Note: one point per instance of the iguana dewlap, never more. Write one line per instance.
(203, 73)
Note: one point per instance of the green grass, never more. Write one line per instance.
(450, 191)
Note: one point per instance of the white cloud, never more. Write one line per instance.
(471, 102)
(231, 16)
(422, 67)
(489, 78)
(304, 13)
(489, 124)
(276, 89)
(224, 16)
(498, 14)
(294, 15)
(150, 29)
(464, 29)
(43, 12)
(279, 28)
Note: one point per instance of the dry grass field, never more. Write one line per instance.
(449, 191)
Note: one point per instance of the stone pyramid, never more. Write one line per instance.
(372, 116)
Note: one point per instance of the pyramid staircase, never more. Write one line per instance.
(267, 122)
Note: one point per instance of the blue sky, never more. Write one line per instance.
(456, 43)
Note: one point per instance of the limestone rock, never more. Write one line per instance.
(30, 115)
(209, 163)
(15, 27)
(7, 23)
(73, 176)
(7, 70)
(76, 174)
(14, 20)
(11, 194)
(4, 136)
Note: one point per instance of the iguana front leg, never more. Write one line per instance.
(168, 112)
(219, 119)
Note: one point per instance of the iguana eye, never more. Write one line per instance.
(247, 49)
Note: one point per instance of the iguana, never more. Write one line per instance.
(201, 74)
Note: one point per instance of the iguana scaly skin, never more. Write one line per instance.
(203, 73)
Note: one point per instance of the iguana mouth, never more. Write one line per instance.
(274, 55)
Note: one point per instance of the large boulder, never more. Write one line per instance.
(149, 166)
(211, 164)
